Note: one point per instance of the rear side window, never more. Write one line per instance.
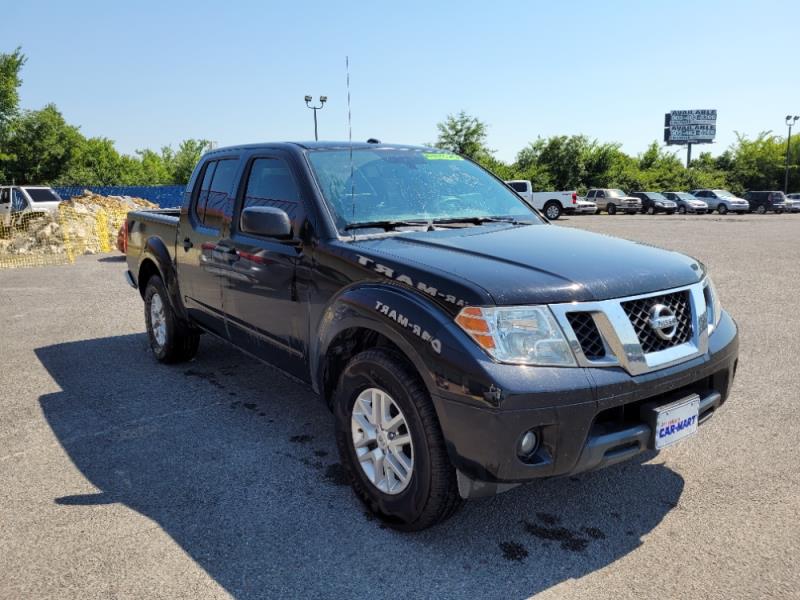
(601, 194)
(205, 186)
(518, 186)
(220, 196)
(271, 183)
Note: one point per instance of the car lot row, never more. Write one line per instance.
(699, 201)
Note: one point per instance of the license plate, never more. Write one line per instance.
(676, 421)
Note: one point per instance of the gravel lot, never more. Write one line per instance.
(120, 477)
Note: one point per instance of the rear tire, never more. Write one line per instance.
(762, 210)
(611, 209)
(682, 210)
(429, 492)
(651, 210)
(170, 340)
(722, 209)
(553, 210)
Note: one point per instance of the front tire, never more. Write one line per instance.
(390, 442)
(722, 209)
(553, 210)
(611, 209)
(170, 340)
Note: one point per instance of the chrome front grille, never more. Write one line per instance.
(587, 333)
(639, 312)
(621, 332)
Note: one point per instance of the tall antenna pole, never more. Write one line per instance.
(350, 140)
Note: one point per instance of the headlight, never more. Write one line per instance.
(659, 204)
(713, 305)
(524, 335)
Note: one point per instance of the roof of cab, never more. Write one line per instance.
(320, 145)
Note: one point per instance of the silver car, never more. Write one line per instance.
(792, 203)
(722, 201)
(687, 203)
(613, 200)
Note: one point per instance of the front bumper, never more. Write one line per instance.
(587, 418)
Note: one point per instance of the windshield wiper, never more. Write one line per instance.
(476, 220)
(386, 225)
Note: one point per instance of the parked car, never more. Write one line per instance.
(764, 202)
(654, 202)
(552, 204)
(792, 202)
(687, 203)
(612, 200)
(19, 204)
(722, 201)
(463, 343)
(585, 207)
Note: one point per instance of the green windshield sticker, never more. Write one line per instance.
(441, 156)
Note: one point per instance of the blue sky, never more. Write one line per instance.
(147, 74)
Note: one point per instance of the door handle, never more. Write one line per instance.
(187, 243)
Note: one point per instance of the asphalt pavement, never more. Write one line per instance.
(124, 478)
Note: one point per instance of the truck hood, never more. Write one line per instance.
(537, 264)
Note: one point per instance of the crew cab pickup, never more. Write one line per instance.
(21, 203)
(464, 344)
(552, 204)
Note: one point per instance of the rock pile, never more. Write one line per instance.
(75, 227)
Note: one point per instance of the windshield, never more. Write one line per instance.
(684, 196)
(724, 194)
(656, 196)
(390, 184)
(43, 195)
(617, 193)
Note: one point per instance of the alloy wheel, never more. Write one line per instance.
(382, 441)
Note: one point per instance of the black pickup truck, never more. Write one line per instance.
(463, 343)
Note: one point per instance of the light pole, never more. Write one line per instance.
(790, 120)
(322, 101)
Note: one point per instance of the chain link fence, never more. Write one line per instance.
(88, 224)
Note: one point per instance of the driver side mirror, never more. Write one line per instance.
(266, 221)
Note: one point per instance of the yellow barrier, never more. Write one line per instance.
(53, 239)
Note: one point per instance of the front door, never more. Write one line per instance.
(5, 207)
(264, 302)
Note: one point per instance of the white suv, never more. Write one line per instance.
(17, 201)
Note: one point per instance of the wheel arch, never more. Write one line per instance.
(156, 260)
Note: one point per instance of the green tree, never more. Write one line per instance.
(180, 164)
(42, 144)
(10, 67)
(463, 134)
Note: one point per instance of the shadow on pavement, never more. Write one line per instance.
(237, 464)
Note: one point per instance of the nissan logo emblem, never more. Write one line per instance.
(663, 322)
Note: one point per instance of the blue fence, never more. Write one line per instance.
(166, 196)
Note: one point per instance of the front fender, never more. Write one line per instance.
(448, 362)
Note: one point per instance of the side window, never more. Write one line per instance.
(220, 195)
(18, 201)
(271, 183)
(202, 197)
(590, 195)
(518, 186)
(4, 196)
(601, 194)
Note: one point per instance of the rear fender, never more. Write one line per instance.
(156, 250)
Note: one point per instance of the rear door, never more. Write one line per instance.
(201, 264)
(266, 311)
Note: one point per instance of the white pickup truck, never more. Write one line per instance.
(552, 204)
(18, 203)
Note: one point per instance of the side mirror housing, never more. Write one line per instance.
(266, 221)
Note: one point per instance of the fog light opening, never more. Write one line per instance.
(527, 445)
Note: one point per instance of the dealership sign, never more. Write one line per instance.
(690, 126)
